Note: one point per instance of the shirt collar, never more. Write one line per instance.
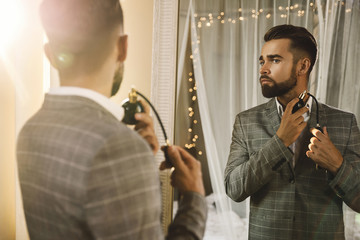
(306, 115)
(103, 101)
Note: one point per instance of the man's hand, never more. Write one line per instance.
(291, 125)
(187, 176)
(145, 127)
(323, 152)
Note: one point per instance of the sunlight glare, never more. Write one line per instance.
(11, 19)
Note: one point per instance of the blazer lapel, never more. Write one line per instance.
(272, 114)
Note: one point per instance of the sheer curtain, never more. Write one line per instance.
(227, 37)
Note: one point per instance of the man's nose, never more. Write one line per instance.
(264, 69)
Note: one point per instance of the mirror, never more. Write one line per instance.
(219, 44)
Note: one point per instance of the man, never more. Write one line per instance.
(83, 173)
(274, 152)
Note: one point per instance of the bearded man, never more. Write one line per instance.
(297, 177)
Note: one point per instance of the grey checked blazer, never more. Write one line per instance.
(286, 202)
(85, 175)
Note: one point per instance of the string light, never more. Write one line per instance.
(207, 19)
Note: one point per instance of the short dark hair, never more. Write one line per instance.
(301, 40)
(81, 28)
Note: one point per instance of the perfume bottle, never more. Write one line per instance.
(300, 102)
(131, 106)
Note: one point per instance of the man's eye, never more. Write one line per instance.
(261, 63)
(276, 60)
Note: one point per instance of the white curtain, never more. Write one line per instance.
(227, 36)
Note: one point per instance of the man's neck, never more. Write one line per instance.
(286, 98)
(97, 82)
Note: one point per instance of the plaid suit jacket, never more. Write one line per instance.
(85, 175)
(289, 202)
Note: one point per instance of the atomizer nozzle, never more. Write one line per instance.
(132, 95)
(302, 95)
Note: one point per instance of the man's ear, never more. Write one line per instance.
(50, 55)
(303, 66)
(122, 46)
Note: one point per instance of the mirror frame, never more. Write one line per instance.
(163, 87)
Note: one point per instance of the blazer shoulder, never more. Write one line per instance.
(334, 112)
(254, 112)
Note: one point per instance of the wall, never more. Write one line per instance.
(7, 157)
(138, 24)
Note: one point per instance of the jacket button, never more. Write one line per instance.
(291, 180)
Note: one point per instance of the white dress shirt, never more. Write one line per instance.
(103, 101)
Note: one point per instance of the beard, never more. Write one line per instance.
(279, 89)
(118, 77)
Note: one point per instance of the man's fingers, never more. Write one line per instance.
(317, 133)
(144, 120)
(145, 105)
(186, 157)
(290, 106)
(314, 140)
(302, 110)
(300, 119)
(326, 132)
(175, 157)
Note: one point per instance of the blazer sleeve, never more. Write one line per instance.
(246, 171)
(346, 183)
(190, 219)
(123, 191)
